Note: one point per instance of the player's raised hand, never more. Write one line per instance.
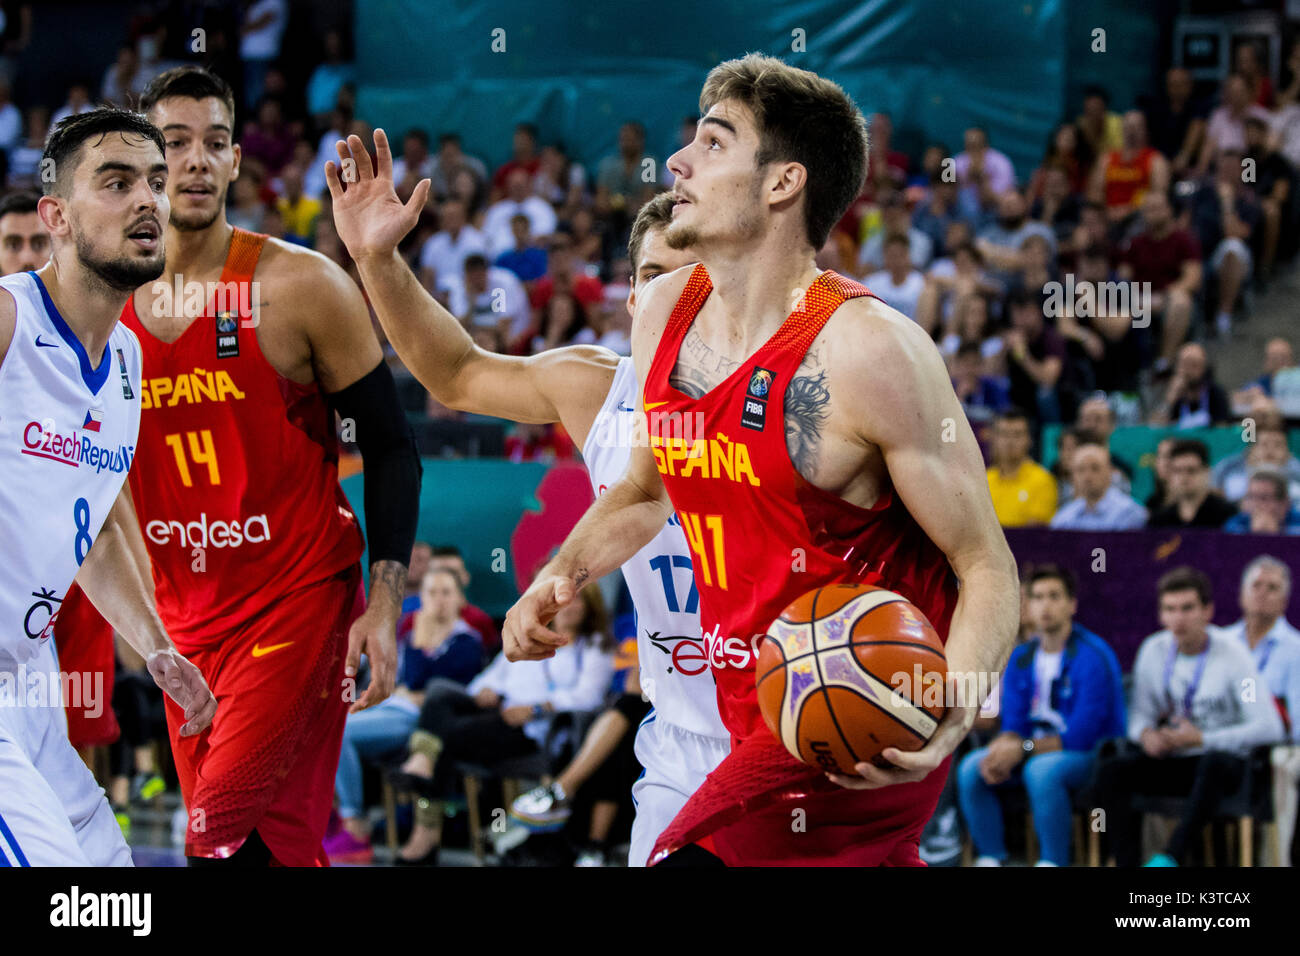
(183, 683)
(525, 636)
(374, 632)
(370, 218)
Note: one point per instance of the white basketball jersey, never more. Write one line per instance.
(675, 671)
(67, 438)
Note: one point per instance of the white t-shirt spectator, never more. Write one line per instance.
(65, 111)
(1286, 127)
(399, 169)
(920, 248)
(264, 42)
(513, 299)
(1001, 173)
(1227, 718)
(496, 222)
(577, 678)
(1226, 132)
(902, 296)
(446, 256)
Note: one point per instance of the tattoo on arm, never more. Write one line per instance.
(807, 406)
(580, 578)
(387, 583)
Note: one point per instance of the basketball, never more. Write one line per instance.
(848, 670)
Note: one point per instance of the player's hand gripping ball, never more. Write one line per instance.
(847, 671)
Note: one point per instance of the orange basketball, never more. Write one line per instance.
(848, 670)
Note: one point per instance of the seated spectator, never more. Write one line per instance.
(247, 205)
(1192, 503)
(1056, 206)
(25, 156)
(568, 272)
(1038, 267)
(1176, 121)
(526, 259)
(1023, 491)
(1068, 441)
(1169, 258)
(329, 77)
(78, 102)
(1274, 186)
(971, 326)
(1097, 419)
(1097, 504)
(1192, 724)
(438, 645)
(561, 182)
(1125, 347)
(886, 166)
(1193, 399)
(123, 82)
(1036, 362)
(506, 712)
(1102, 129)
(561, 321)
(1093, 232)
(413, 164)
(488, 297)
(1068, 152)
(444, 253)
(1275, 645)
(1247, 65)
(982, 396)
(1159, 497)
(518, 198)
(603, 769)
(1278, 355)
(1269, 449)
(448, 557)
(895, 221)
(1225, 216)
(298, 211)
(1000, 243)
(269, 137)
(950, 283)
(1061, 695)
(620, 176)
(937, 211)
(587, 237)
(1267, 507)
(1122, 177)
(899, 284)
(24, 240)
(982, 170)
(523, 157)
(1226, 130)
(449, 162)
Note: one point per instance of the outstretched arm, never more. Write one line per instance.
(117, 579)
(934, 463)
(564, 385)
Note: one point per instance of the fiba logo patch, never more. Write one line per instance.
(227, 335)
(754, 410)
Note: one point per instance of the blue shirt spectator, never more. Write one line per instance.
(1113, 511)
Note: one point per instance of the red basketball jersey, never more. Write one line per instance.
(236, 471)
(760, 534)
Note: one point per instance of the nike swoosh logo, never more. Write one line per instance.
(650, 405)
(46, 345)
(624, 408)
(260, 651)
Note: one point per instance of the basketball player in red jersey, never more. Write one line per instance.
(806, 434)
(255, 550)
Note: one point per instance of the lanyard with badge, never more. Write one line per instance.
(1192, 685)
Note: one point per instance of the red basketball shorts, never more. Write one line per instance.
(269, 758)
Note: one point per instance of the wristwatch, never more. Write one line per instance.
(1028, 746)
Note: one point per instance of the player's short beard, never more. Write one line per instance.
(122, 274)
(197, 224)
(748, 225)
